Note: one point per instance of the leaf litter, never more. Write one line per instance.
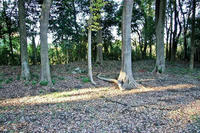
(171, 102)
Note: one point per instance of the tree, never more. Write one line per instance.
(99, 58)
(125, 77)
(160, 24)
(25, 72)
(44, 22)
(9, 15)
(193, 35)
(90, 44)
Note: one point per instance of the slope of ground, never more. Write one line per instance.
(170, 102)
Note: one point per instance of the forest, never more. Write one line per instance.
(124, 66)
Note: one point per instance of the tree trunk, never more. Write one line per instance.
(11, 47)
(167, 40)
(99, 48)
(34, 54)
(90, 46)
(44, 22)
(174, 44)
(25, 72)
(160, 24)
(171, 31)
(125, 77)
(193, 36)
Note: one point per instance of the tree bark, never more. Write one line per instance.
(125, 77)
(174, 44)
(90, 47)
(99, 58)
(160, 24)
(193, 36)
(44, 22)
(167, 40)
(171, 31)
(34, 52)
(25, 72)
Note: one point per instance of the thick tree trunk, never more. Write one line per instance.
(44, 22)
(25, 72)
(90, 47)
(99, 58)
(125, 77)
(193, 36)
(160, 24)
(34, 54)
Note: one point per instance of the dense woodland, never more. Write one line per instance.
(57, 49)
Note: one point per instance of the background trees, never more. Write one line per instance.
(68, 33)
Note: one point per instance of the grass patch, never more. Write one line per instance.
(34, 82)
(61, 78)
(18, 77)
(53, 82)
(41, 91)
(26, 83)
(1, 81)
(54, 76)
(35, 76)
(85, 79)
(43, 83)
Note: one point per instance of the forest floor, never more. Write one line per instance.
(170, 102)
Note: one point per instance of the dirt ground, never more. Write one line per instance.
(170, 102)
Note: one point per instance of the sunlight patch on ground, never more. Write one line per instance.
(82, 94)
(187, 112)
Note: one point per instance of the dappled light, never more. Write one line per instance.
(121, 66)
(84, 94)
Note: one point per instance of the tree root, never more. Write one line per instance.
(119, 83)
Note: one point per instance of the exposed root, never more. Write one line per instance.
(120, 84)
(111, 80)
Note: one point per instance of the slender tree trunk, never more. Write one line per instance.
(174, 44)
(193, 36)
(90, 47)
(160, 24)
(99, 58)
(11, 48)
(171, 31)
(126, 77)
(44, 22)
(25, 72)
(150, 47)
(34, 54)
(167, 40)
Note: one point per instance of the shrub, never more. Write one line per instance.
(53, 82)
(43, 83)
(34, 82)
(85, 80)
